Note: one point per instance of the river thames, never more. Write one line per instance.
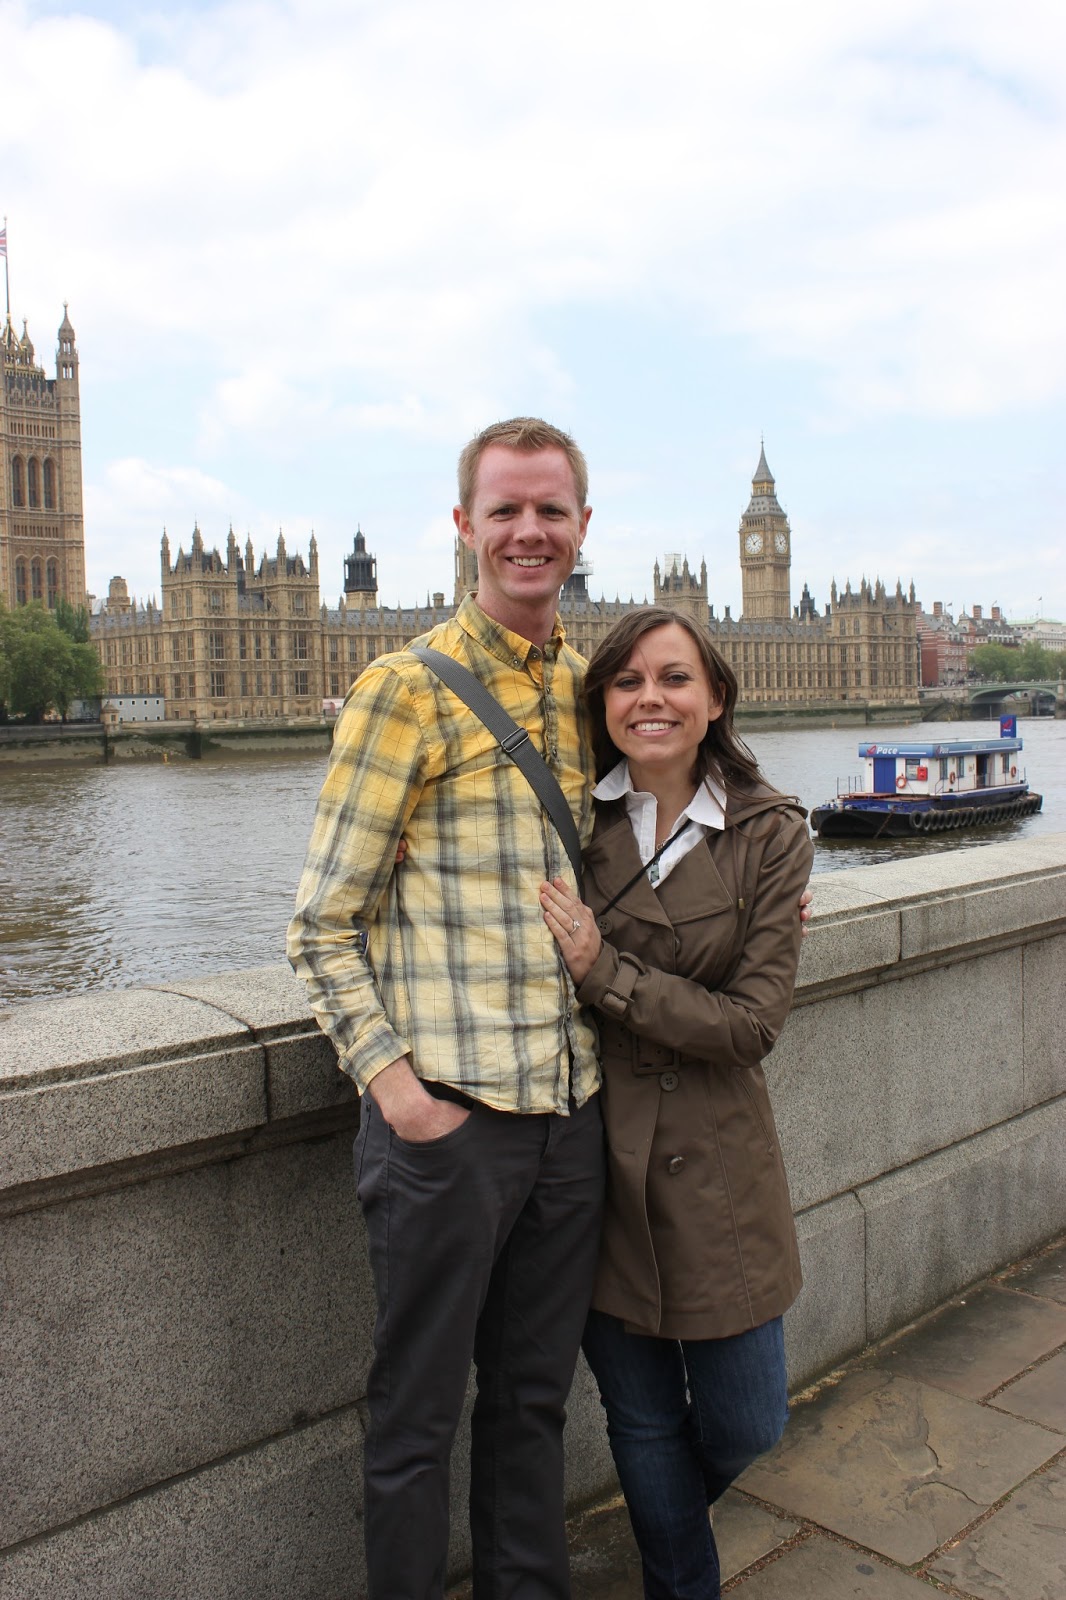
(146, 873)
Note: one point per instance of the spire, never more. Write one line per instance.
(762, 471)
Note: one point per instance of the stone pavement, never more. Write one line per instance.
(935, 1462)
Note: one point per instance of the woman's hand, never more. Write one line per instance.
(573, 927)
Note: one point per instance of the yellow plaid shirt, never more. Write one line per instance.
(447, 959)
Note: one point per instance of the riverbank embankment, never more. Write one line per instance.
(95, 744)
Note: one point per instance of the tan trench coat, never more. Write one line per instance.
(692, 988)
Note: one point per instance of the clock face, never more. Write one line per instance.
(753, 543)
(780, 543)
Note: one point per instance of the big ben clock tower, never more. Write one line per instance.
(765, 552)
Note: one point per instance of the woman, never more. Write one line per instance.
(688, 948)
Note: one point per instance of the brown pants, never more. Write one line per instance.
(483, 1247)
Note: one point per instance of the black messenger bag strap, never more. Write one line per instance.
(513, 740)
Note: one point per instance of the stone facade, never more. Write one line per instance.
(233, 640)
(42, 533)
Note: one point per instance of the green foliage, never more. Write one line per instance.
(1030, 663)
(42, 667)
(74, 621)
(996, 662)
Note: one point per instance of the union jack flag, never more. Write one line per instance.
(3, 243)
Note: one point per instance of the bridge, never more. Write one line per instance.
(988, 693)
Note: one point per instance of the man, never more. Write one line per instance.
(480, 1153)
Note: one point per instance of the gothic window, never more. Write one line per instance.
(299, 602)
(18, 481)
(243, 648)
(20, 582)
(218, 685)
(244, 683)
(50, 485)
(217, 646)
(273, 647)
(334, 651)
(142, 651)
(216, 600)
(353, 652)
(191, 686)
(335, 683)
(274, 683)
(36, 588)
(300, 683)
(33, 481)
(299, 646)
(174, 603)
(52, 574)
(188, 607)
(258, 645)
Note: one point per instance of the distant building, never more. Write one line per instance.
(230, 639)
(947, 644)
(42, 533)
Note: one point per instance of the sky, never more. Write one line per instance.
(310, 248)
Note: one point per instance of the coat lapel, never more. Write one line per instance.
(612, 859)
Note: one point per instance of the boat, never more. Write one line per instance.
(908, 789)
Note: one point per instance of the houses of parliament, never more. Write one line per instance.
(236, 636)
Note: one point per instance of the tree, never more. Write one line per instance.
(74, 621)
(41, 666)
(997, 662)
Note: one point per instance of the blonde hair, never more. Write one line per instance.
(521, 433)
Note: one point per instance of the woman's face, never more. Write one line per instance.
(659, 706)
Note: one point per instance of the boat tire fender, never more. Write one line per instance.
(1014, 772)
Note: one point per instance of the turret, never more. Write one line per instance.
(67, 351)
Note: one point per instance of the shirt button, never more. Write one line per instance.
(669, 1081)
(515, 661)
(674, 1165)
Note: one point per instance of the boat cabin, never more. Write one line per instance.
(953, 766)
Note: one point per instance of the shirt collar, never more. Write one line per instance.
(706, 806)
(508, 647)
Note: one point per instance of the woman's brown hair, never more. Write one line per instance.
(722, 754)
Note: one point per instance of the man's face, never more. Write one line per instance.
(526, 528)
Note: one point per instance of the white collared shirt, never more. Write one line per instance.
(705, 810)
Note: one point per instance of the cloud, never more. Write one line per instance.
(344, 222)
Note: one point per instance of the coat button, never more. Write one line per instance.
(604, 924)
(668, 1081)
(674, 1165)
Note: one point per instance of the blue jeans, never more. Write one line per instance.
(684, 1418)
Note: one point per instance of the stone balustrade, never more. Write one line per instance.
(186, 1310)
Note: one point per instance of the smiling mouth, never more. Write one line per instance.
(528, 561)
(651, 727)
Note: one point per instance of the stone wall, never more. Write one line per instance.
(185, 1313)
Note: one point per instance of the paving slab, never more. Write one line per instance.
(817, 1569)
(745, 1532)
(976, 1343)
(1043, 1275)
(895, 1465)
(1039, 1396)
(1018, 1554)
